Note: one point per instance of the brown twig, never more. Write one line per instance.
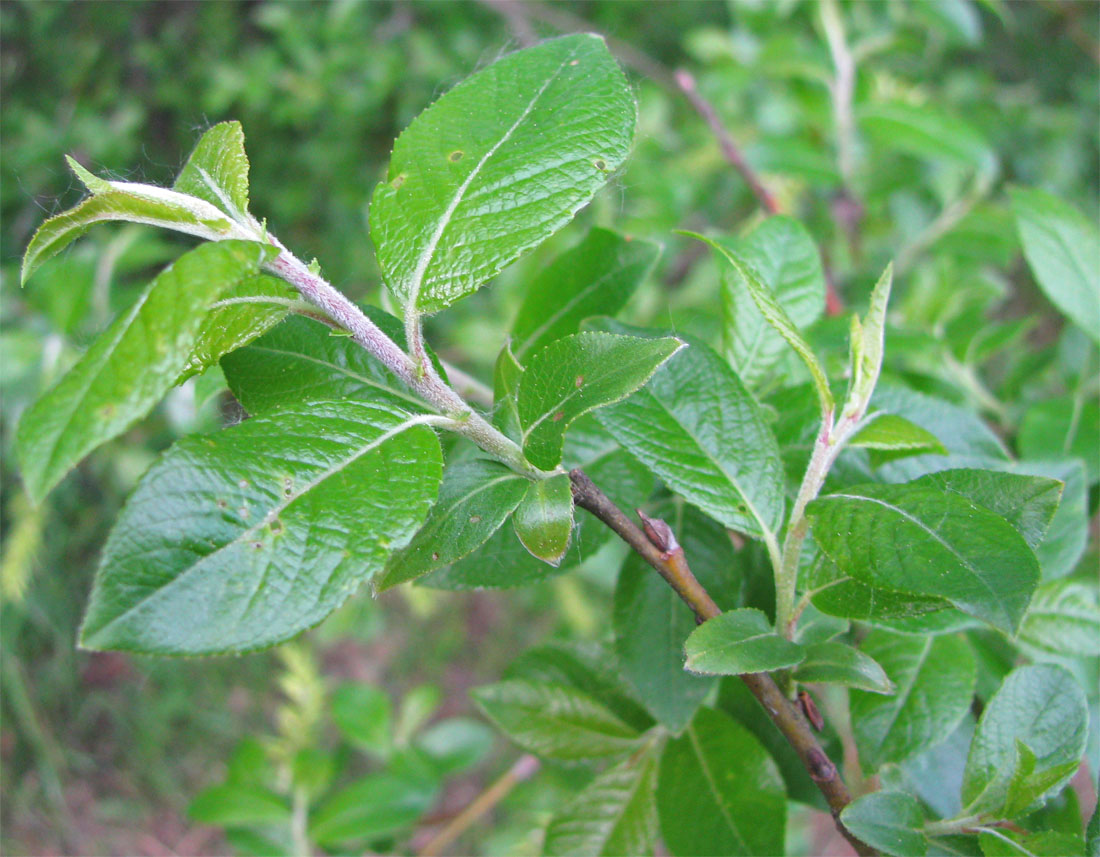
(672, 565)
(704, 108)
(526, 766)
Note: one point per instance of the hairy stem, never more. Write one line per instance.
(420, 375)
(672, 565)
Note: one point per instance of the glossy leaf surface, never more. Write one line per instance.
(934, 677)
(615, 814)
(698, 428)
(788, 262)
(241, 539)
(498, 164)
(954, 549)
(833, 662)
(740, 641)
(555, 720)
(719, 792)
(217, 170)
(543, 520)
(131, 365)
(476, 497)
(574, 375)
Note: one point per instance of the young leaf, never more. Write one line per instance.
(596, 277)
(838, 663)
(572, 376)
(300, 361)
(740, 641)
(556, 721)
(497, 165)
(238, 540)
(888, 821)
(136, 203)
(651, 623)
(1039, 709)
(954, 549)
(782, 252)
(934, 677)
(775, 315)
(1063, 251)
(889, 437)
(867, 347)
(697, 427)
(217, 170)
(375, 806)
(1028, 503)
(615, 814)
(131, 365)
(719, 792)
(243, 315)
(506, 376)
(476, 497)
(544, 518)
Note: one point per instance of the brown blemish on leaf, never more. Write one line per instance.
(558, 416)
(455, 156)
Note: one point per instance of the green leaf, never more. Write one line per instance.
(894, 437)
(238, 540)
(375, 806)
(953, 549)
(555, 720)
(136, 203)
(1067, 536)
(935, 679)
(1028, 503)
(364, 714)
(235, 805)
(476, 497)
(1063, 620)
(544, 518)
(888, 821)
(588, 667)
(615, 814)
(838, 663)
(651, 623)
(577, 374)
(1047, 843)
(299, 361)
(1042, 710)
(456, 744)
(589, 446)
(497, 165)
(1062, 248)
(740, 641)
(596, 277)
(782, 252)
(130, 366)
(506, 377)
(772, 311)
(868, 342)
(240, 316)
(924, 132)
(217, 170)
(719, 792)
(1066, 426)
(698, 428)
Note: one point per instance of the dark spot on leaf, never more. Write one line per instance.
(455, 156)
(435, 556)
(600, 164)
(579, 380)
(257, 546)
(558, 416)
(398, 180)
(107, 411)
(222, 504)
(276, 527)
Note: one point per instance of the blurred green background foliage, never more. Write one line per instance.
(952, 102)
